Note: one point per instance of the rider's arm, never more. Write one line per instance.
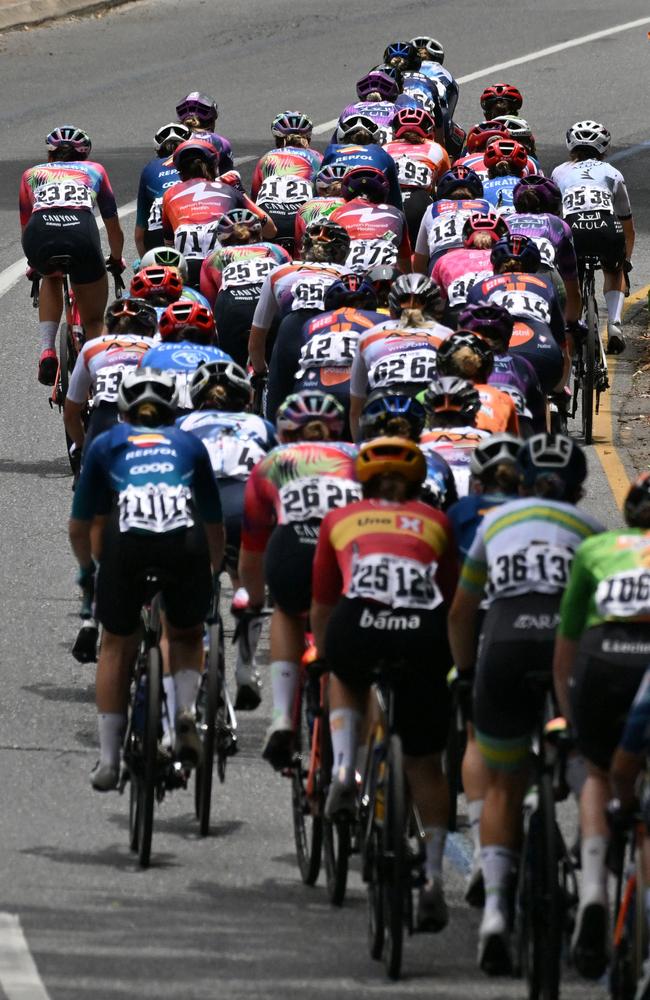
(78, 390)
(257, 525)
(629, 234)
(265, 312)
(269, 228)
(72, 421)
(358, 391)
(282, 369)
(327, 584)
(92, 497)
(462, 618)
(573, 619)
(115, 237)
(421, 254)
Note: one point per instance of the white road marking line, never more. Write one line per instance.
(11, 275)
(631, 151)
(19, 976)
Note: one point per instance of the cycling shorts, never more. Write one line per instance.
(538, 346)
(288, 565)
(233, 318)
(518, 638)
(103, 416)
(415, 202)
(65, 231)
(612, 659)
(183, 562)
(362, 634)
(598, 234)
(231, 492)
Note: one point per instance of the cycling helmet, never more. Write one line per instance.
(588, 133)
(490, 321)
(414, 286)
(69, 137)
(389, 412)
(459, 177)
(391, 456)
(148, 385)
(165, 257)
(431, 46)
(233, 220)
(378, 82)
(186, 313)
(416, 120)
(292, 123)
(365, 182)
(351, 290)
(175, 133)
(198, 106)
(506, 151)
(402, 54)
(327, 240)
(492, 224)
(381, 278)
(516, 247)
(333, 173)
(310, 406)
(479, 135)
(465, 355)
(450, 394)
(552, 465)
(356, 122)
(546, 191)
(637, 502)
(394, 72)
(237, 389)
(152, 281)
(518, 128)
(139, 310)
(193, 149)
(496, 450)
(501, 92)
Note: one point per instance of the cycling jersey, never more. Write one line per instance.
(419, 164)
(366, 156)
(498, 413)
(235, 441)
(315, 208)
(240, 270)
(441, 76)
(553, 238)
(455, 445)
(290, 162)
(592, 185)
(158, 175)
(221, 144)
(378, 233)
(441, 228)
(329, 344)
(190, 206)
(76, 185)
(101, 365)
(514, 371)
(499, 192)
(182, 359)
(390, 354)
(301, 285)
(458, 270)
(468, 512)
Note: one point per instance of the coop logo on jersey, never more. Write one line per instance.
(148, 440)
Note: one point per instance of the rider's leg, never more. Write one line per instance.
(91, 301)
(287, 644)
(111, 693)
(50, 308)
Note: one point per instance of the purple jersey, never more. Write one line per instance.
(513, 371)
(553, 238)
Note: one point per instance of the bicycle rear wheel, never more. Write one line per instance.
(207, 703)
(307, 823)
(541, 908)
(589, 373)
(147, 781)
(394, 857)
(336, 835)
(455, 749)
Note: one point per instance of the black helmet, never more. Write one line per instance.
(552, 465)
(452, 395)
(389, 412)
(350, 290)
(466, 355)
(637, 502)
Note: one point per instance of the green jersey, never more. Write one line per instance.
(609, 581)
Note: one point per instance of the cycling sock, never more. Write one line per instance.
(284, 675)
(498, 864)
(344, 726)
(474, 810)
(111, 727)
(169, 688)
(186, 687)
(48, 329)
(594, 876)
(614, 302)
(435, 848)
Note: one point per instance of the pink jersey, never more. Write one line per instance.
(240, 270)
(378, 233)
(457, 270)
(75, 185)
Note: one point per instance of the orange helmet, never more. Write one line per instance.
(384, 455)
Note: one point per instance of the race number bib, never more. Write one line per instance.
(546, 250)
(310, 498)
(107, 382)
(329, 350)
(245, 273)
(155, 507)
(364, 254)
(284, 191)
(458, 289)
(63, 194)
(538, 564)
(446, 232)
(625, 595)
(413, 173)
(233, 457)
(526, 305)
(587, 199)
(309, 293)
(155, 215)
(196, 241)
(411, 366)
(395, 581)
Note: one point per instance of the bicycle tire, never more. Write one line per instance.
(394, 857)
(622, 976)
(147, 783)
(134, 824)
(454, 751)
(337, 835)
(375, 892)
(640, 939)
(546, 944)
(589, 374)
(206, 720)
(307, 825)
(67, 357)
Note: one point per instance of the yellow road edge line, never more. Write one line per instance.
(612, 465)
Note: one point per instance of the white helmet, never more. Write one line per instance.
(148, 385)
(166, 257)
(517, 127)
(173, 132)
(588, 133)
(435, 51)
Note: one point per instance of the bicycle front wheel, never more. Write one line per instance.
(147, 781)
(589, 374)
(394, 857)
(206, 716)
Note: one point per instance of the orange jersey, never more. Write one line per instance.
(498, 413)
(199, 201)
(419, 164)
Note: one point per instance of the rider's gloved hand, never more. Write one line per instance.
(31, 273)
(627, 265)
(116, 265)
(577, 329)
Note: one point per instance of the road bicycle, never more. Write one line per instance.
(630, 939)
(590, 374)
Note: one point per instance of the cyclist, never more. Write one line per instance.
(56, 216)
(236, 440)
(382, 278)
(327, 190)
(520, 130)
(460, 194)
(378, 232)
(357, 145)
(199, 112)
(287, 495)
(477, 139)
(159, 286)
(500, 99)
(159, 514)
(452, 405)
(596, 205)
(130, 327)
(456, 271)
(519, 561)
(384, 572)
(466, 355)
(295, 290)
(506, 161)
(377, 92)
(159, 174)
(432, 54)
(601, 655)
(400, 351)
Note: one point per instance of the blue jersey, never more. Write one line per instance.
(467, 513)
(182, 359)
(440, 486)
(156, 479)
(157, 176)
(499, 191)
(367, 156)
(195, 296)
(235, 441)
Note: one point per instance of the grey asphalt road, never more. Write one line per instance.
(227, 916)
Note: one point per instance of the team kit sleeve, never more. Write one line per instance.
(92, 495)
(575, 600)
(80, 380)
(106, 202)
(474, 573)
(258, 518)
(327, 580)
(143, 205)
(25, 199)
